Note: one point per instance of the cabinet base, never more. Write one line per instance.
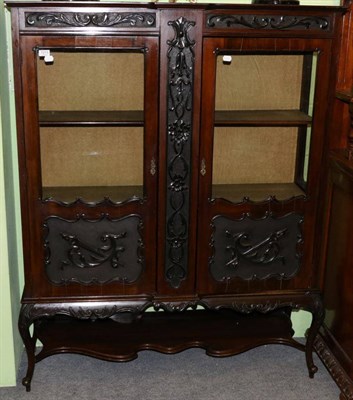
(219, 333)
(117, 331)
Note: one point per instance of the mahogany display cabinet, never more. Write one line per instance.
(172, 157)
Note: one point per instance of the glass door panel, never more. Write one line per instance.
(96, 163)
(262, 121)
(254, 162)
(91, 112)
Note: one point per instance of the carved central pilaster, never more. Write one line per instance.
(181, 60)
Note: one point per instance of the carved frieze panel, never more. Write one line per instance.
(181, 59)
(268, 22)
(250, 248)
(90, 252)
(98, 20)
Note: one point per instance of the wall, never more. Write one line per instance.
(11, 276)
(11, 270)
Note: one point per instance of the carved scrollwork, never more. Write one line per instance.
(176, 307)
(99, 313)
(72, 255)
(83, 255)
(265, 251)
(262, 308)
(96, 310)
(276, 22)
(250, 248)
(181, 59)
(102, 20)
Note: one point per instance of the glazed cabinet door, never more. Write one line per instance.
(263, 106)
(90, 115)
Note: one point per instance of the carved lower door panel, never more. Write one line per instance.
(89, 252)
(252, 249)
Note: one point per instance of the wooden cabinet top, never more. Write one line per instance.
(152, 5)
(141, 18)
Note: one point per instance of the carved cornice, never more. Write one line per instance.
(337, 372)
(99, 20)
(276, 22)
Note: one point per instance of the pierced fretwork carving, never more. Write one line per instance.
(268, 22)
(72, 253)
(180, 86)
(250, 248)
(102, 20)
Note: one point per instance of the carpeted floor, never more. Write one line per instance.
(269, 372)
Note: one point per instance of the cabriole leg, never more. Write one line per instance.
(30, 343)
(318, 314)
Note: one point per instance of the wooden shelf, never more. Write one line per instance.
(220, 333)
(135, 118)
(261, 118)
(256, 192)
(91, 118)
(92, 194)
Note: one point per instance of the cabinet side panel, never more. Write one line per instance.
(338, 288)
